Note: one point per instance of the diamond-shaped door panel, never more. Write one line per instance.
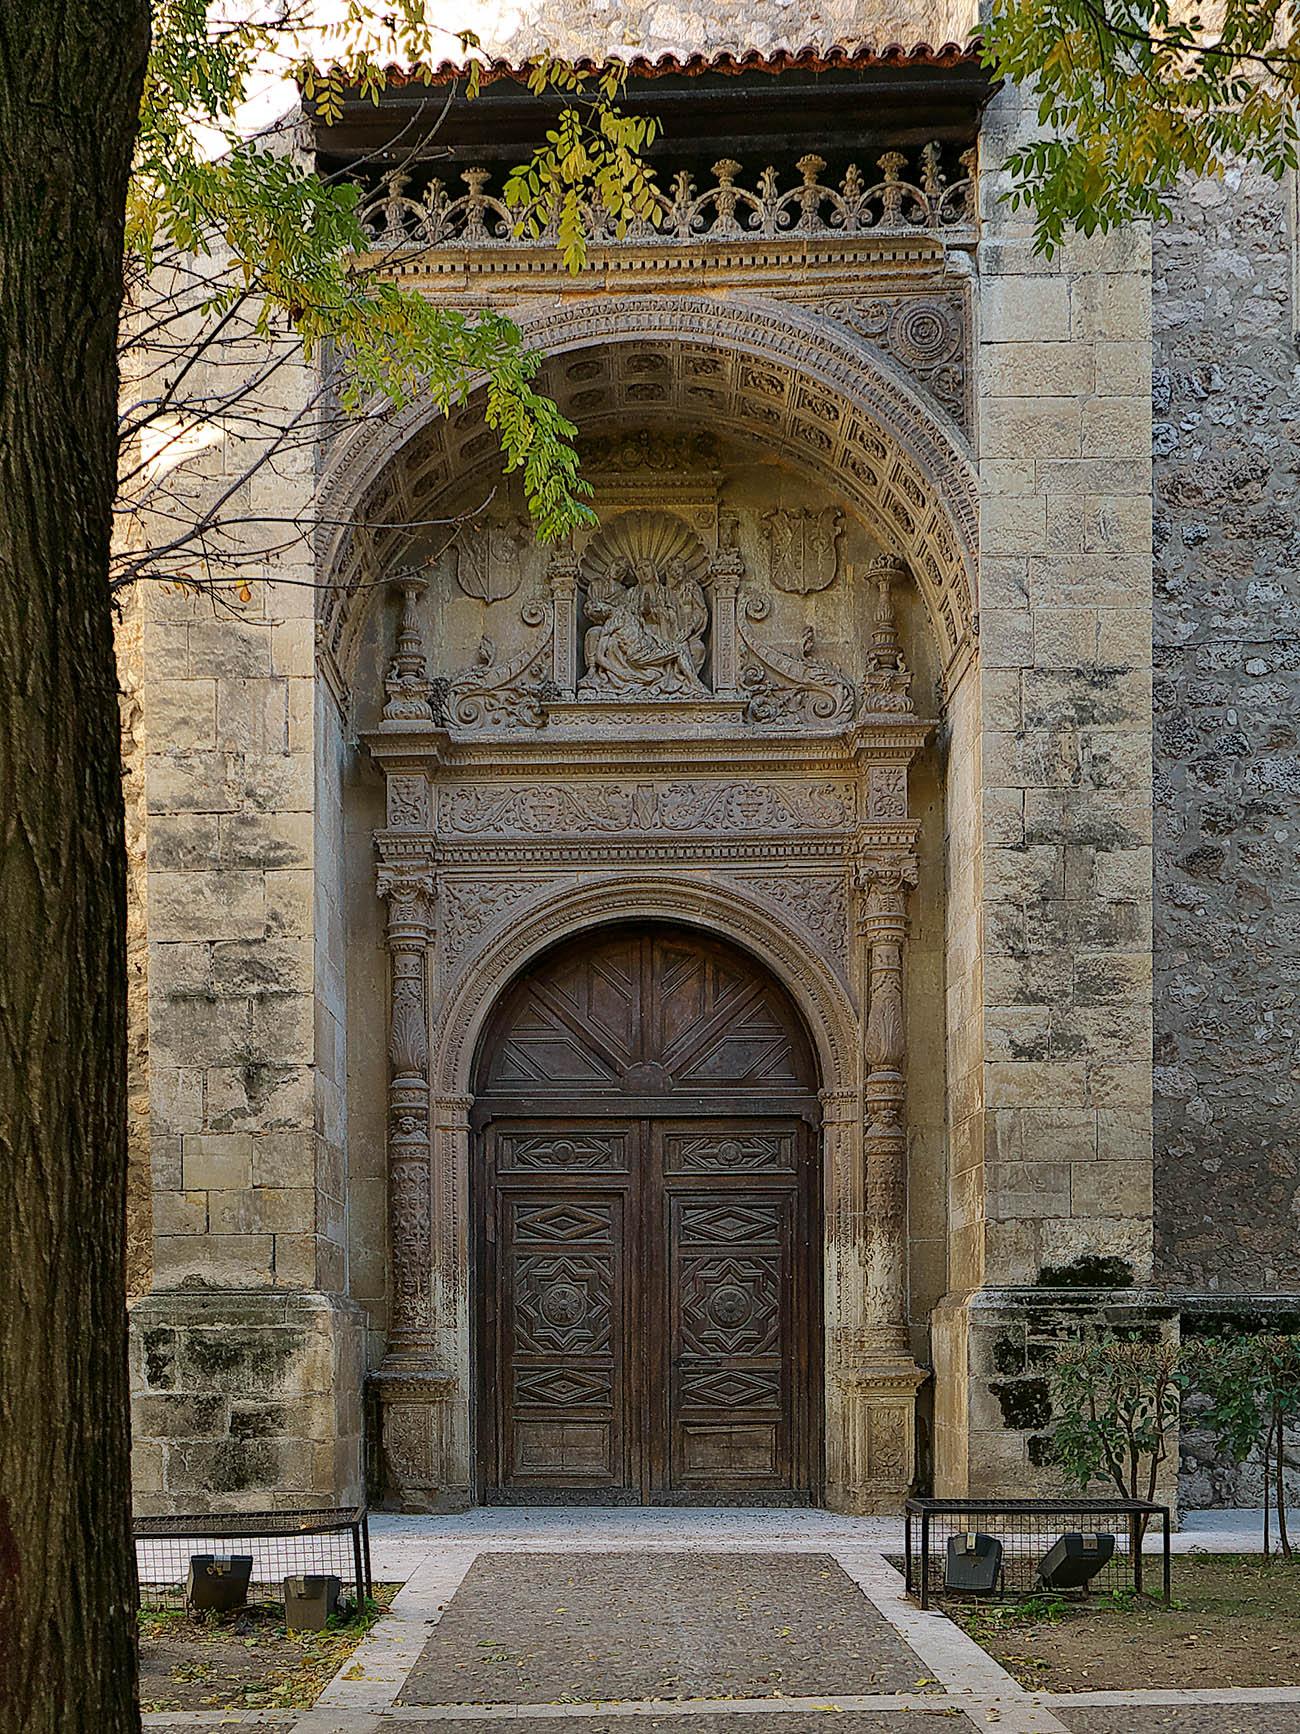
(563, 1387)
(729, 1388)
(728, 1224)
(562, 1305)
(563, 1151)
(730, 1305)
(729, 1153)
(564, 1222)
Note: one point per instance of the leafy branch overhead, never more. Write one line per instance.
(1135, 93)
(283, 247)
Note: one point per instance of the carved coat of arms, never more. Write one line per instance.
(803, 547)
(492, 557)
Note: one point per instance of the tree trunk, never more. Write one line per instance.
(1279, 1428)
(70, 79)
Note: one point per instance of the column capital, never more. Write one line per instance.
(883, 879)
(562, 573)
(410, 888)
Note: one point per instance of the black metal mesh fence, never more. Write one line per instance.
(1133, 1535)
(281, 1544)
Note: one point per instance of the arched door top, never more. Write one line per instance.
(651, 1014)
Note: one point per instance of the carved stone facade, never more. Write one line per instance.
(628, 738)
(851, 672)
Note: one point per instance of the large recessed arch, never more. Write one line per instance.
(783, 376)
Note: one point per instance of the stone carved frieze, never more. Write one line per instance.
(608, 808)
(649, 449)
(803, 547)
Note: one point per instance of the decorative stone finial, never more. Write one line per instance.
(887, 683)
(407, 683)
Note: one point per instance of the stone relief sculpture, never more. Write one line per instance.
(647, 612)
(647, 633)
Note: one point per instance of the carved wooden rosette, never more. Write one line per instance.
(409, 890)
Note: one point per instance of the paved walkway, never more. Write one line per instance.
(698, 1622)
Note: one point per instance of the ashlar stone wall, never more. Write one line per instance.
(1050, 1136)
(246, 1355)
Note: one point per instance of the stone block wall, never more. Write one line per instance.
(237, 1402)
(1227, 697)
(1056, 989)
(239, 793)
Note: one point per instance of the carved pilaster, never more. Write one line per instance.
(409, 889)
(876, 1379)
(409, 1393)
(884, 881)
(562, 576)
(725, 573)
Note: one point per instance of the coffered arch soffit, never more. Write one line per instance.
(782, 378)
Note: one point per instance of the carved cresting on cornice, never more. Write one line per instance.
(902, 197)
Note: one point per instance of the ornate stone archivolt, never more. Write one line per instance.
(785, 377)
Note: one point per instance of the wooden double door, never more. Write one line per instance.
(647, 1264)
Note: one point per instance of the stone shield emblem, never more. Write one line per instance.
(803, 548)
(492, 558)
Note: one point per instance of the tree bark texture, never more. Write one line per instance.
(70, 79)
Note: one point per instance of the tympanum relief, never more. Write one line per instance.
(708, 692)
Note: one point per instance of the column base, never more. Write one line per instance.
(878, 1419)
(412, 1412)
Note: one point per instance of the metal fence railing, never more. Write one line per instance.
(1004, 1547)
(282, 1544)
